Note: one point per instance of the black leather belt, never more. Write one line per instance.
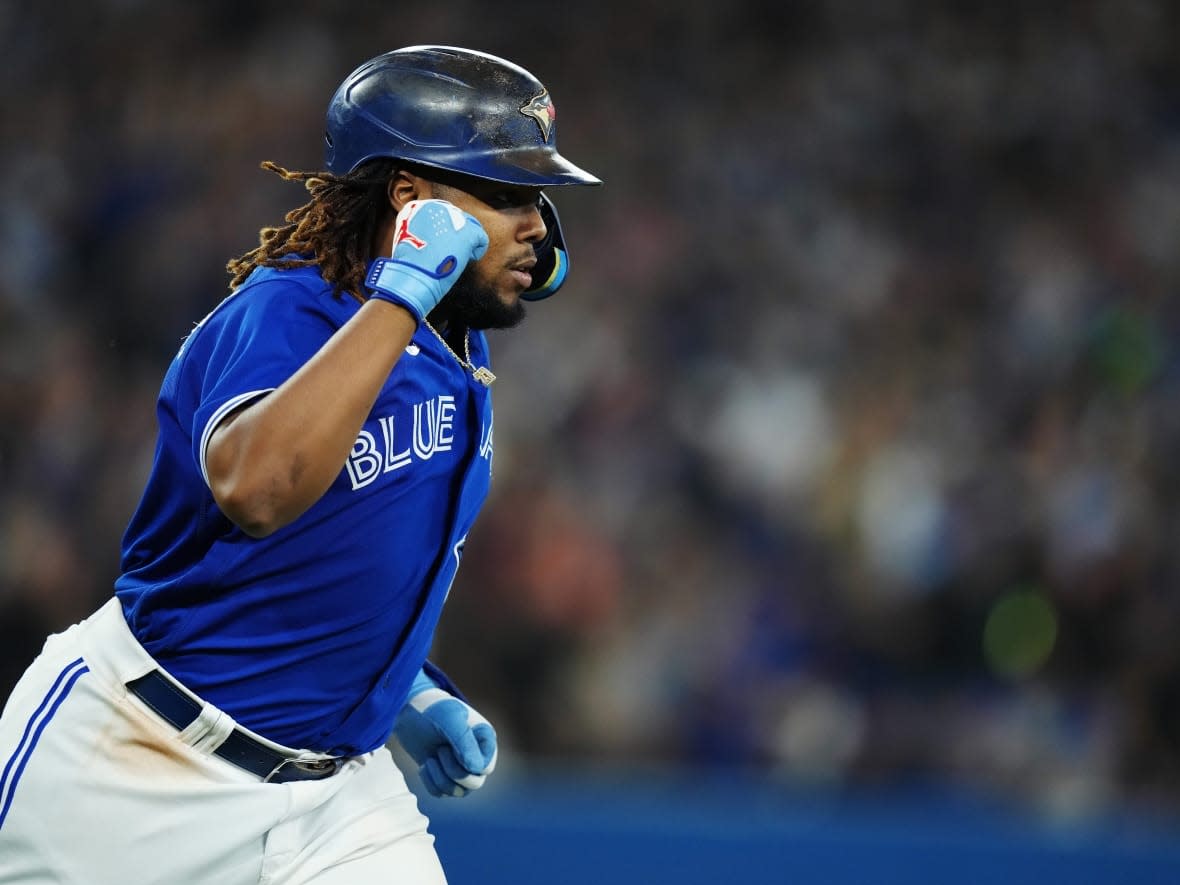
(179, 710)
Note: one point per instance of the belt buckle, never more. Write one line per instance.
(309, 769)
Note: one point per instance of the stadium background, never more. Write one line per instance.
(835, 512)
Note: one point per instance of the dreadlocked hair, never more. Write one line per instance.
(335, 229)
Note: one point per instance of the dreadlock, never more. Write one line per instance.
(335, 229)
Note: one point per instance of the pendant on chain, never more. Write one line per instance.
(482, 374)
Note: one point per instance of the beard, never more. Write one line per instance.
(473, 305)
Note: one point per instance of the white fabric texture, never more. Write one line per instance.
(109, 792)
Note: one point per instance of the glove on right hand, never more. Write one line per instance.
(432, 242)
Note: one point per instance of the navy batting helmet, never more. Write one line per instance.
(453, 109)
(462, 111)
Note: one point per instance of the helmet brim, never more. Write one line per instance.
(526, 167)
(546, 168)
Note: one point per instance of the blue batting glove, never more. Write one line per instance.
(432, 242)
(454, 746)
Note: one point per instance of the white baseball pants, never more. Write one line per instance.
(96, 789)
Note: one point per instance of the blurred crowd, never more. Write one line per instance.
(851, 451)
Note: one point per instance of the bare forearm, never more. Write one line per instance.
(268, 463)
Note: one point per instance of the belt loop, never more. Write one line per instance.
(209, 730)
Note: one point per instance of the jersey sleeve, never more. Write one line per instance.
(249, 346)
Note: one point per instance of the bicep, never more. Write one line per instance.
(218, 440)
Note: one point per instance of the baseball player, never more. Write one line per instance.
(325, 443)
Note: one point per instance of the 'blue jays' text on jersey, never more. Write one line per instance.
(312, 635)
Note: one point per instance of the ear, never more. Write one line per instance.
(406, 186)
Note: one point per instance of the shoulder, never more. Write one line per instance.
(298, 287)
(277, 295)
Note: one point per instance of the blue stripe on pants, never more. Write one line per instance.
(36, 724)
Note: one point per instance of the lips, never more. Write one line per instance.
(524, 278)
(522, 272)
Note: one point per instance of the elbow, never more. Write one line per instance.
(256, 520)
(258, 488)
(258, 528)
(246, 484)
(254, 510)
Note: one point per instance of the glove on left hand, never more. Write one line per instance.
(454, 746)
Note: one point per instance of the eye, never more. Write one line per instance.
(514, 199)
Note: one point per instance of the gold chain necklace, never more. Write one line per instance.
(482, 374)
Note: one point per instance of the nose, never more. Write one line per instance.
(533, 227)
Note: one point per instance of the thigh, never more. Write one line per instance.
(370, 832)
(35, 703)
(95, 789)
(411, 860)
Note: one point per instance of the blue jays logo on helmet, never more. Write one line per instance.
(541, 109)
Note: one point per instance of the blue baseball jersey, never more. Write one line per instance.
(310, 636)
